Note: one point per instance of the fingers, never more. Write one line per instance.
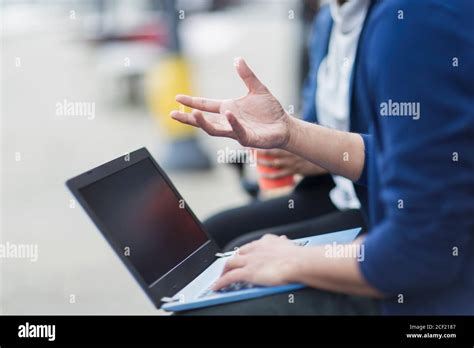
(239, 130)
(248, 76)
(252, 246)
(214, 125)
(269, 236)
(203, 104)
(247, 248)
(285, 164)
(184, 117)
(211, 124)
(237, 275)
(278, 175)
(211, 128)
(273, 153)
(268, 163)
(274, 162)
(235, 262)
(275, 158)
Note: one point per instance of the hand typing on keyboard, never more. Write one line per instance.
(272, 260)
(229, 288)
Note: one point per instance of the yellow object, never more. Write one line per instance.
(168, 78)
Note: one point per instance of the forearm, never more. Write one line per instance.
(341, 153)
(313, 267)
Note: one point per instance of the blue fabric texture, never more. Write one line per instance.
(420, 165)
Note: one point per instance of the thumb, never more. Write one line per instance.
(248, 76)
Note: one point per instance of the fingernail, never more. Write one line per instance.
(237, 61)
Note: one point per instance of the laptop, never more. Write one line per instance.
(159, 239)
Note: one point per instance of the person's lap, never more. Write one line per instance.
(310, 199)
(302, 302)
(333, 222)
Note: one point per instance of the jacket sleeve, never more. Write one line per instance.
(368, 151)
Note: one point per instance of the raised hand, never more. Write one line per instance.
(255, 120)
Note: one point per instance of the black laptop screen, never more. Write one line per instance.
(145, 219)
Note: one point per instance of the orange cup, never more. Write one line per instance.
(271, 184)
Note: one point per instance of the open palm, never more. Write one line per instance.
(256, 120)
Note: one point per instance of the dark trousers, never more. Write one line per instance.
(302, 302)
(310, 199)
(333, 222)
(311, 213)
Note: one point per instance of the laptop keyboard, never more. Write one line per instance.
(229, 288)
(236, 286)
(239, 285)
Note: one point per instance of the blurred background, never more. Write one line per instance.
(83, 82)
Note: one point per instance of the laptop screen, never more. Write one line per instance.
(145, 218)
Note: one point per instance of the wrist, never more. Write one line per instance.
(295, 266)
(292, 128)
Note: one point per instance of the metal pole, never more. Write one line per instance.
(173, 22)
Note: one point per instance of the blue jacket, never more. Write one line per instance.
(420, 172)
(318, 50)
